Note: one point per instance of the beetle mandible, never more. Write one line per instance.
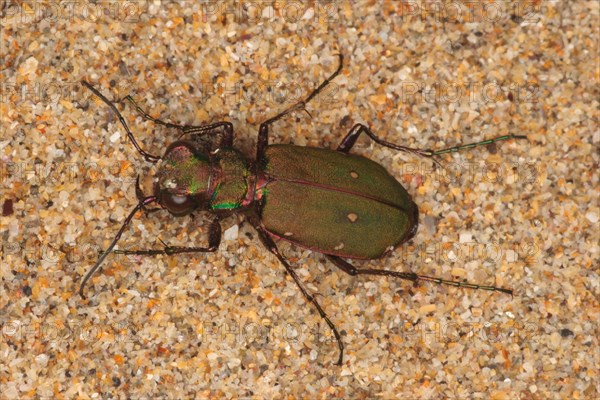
(362, 211)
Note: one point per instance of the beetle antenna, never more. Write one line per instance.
(147, 156)
(143, 202)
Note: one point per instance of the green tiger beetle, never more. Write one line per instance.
(329, 201)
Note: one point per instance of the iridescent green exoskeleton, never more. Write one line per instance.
(330, 201)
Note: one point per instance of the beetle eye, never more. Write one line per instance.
(178, 204)
(178, 199)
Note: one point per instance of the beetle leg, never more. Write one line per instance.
(410, 276)
(226, 134)
(272, 247)
(143, 202)
(214, 240)
(263, 132)
(357, 129)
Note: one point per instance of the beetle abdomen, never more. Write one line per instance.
(334, 203)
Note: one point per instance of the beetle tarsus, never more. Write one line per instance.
(409, 276)
(91, 272)
(214, 240)
(270, 244)
(147, 156)
(148, 117)
(226, 134)
(352, 136)
(468, 285)
(263, 132)
(455, 149)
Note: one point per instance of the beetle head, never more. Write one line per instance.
(184, 179)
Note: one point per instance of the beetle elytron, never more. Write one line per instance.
(330, 201)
